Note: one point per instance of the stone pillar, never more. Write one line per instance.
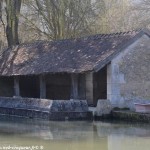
(42, 87)
(74, 86)
(16, 86)
(113, 86)
(89, 88)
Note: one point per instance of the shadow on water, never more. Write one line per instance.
(74, 135)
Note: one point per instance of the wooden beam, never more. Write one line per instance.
(74, 86)
(42, 87)
(16, 86)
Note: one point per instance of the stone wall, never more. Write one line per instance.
(103, 107)
(129, 74)
(44, 108)
(131, 116)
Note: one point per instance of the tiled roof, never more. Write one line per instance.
(70, 55)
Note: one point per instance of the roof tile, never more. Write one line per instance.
(70, 55)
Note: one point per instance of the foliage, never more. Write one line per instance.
(61, 19)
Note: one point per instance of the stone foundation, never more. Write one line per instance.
(131, 116)
(45, 109)
(103, 107)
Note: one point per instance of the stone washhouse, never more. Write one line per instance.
(60, 79)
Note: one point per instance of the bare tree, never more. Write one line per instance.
(113, 16)
(142, 16)
(60, 19)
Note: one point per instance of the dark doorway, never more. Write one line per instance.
(100, 85)
(6, 86)
(29, 86)
(58, 86)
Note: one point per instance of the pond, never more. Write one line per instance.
(21, 133)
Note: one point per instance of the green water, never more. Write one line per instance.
(46, 135)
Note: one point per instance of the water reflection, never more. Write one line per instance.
(74, 135)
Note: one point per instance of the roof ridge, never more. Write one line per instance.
(108, 35)
(94, 36)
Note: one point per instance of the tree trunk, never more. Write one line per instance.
(12, 12)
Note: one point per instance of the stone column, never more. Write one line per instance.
(42, 86)
(89, 87)
(16, 86)
(113, 90)
(74, 86)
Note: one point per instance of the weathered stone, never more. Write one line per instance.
(44, 108)
(128, 75)
(25, 103)
(103, 107)
(131, 116)
(130, 103)
(69, 106)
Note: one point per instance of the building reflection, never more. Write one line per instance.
(77, 135)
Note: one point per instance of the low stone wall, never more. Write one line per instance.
(105, 110)
(45, 109)
(131, 116)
